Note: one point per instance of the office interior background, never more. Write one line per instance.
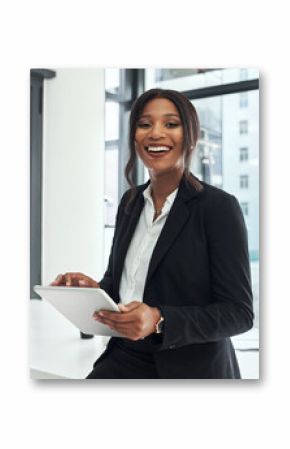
(79, 149)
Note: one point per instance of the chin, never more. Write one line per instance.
(159, 171)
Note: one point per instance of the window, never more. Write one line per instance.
(244, 154)
(243, 99)
(188, 79)
(224, 129)
(112, 81)
(243, 126)
(215, 158)
(244, 181)
(243, 74)
(245, 208)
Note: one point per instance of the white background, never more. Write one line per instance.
(144, 414)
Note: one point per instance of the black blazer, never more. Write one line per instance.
(198, 276)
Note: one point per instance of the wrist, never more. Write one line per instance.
(158, 321)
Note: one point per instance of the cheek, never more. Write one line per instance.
(139, 150)
(179, 137)
(139, 135)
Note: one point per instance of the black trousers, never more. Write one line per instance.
(123, 362)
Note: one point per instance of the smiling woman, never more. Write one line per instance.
(156, 111)
(179, 265)
(159, 144)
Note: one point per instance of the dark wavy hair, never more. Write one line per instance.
(190, 123)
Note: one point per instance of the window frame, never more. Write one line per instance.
(250, 341)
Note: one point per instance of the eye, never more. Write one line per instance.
(172, 125)
(143, 125)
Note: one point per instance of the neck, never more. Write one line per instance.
(164, 184)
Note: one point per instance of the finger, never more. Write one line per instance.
(83, 283)
(68, 280)
(81, 280)
(114, 317)
(72, 279)
(58, 280)
(126, 331)
(130, 306)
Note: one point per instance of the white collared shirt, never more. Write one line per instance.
(141, 248)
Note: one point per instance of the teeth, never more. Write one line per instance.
(156, 149)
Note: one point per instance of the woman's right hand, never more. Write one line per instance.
(75, 280)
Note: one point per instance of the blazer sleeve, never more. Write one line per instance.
(230, 311)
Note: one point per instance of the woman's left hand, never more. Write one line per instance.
(136, 320)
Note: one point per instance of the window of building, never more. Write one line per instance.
(245, 208)
(243, 126)
(244, 154)
(243, 99)
(244, 181)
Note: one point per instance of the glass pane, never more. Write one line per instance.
(112, 80)
(188, 79)
(207, 164)
(218, 161)
(111, 185)
(111, 198)
(112, 120)
(229, 145)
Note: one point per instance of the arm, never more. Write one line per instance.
(231, 311)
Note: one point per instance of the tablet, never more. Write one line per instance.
(78, 305)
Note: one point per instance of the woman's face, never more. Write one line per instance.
(159, 137)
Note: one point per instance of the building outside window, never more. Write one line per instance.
(244, 181)
(245, 209)
(243, 99)
(243, 126)
(244, 154)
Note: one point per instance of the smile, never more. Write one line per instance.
(161, 149)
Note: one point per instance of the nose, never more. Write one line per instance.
(156, 131)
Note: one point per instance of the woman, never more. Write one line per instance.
(179, 265)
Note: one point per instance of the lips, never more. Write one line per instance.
(158, 149)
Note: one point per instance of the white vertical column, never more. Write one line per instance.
(73, 173)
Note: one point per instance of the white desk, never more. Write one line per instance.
(57, 351)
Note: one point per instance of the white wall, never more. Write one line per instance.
(73, 173)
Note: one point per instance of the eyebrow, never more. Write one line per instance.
(164, 115)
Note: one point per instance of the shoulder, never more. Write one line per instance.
(222, 212)
(215, 194)
(215, 198)
(130, 197)
(192, 187)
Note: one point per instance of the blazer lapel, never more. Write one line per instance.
(177, 218)
(126, 232)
